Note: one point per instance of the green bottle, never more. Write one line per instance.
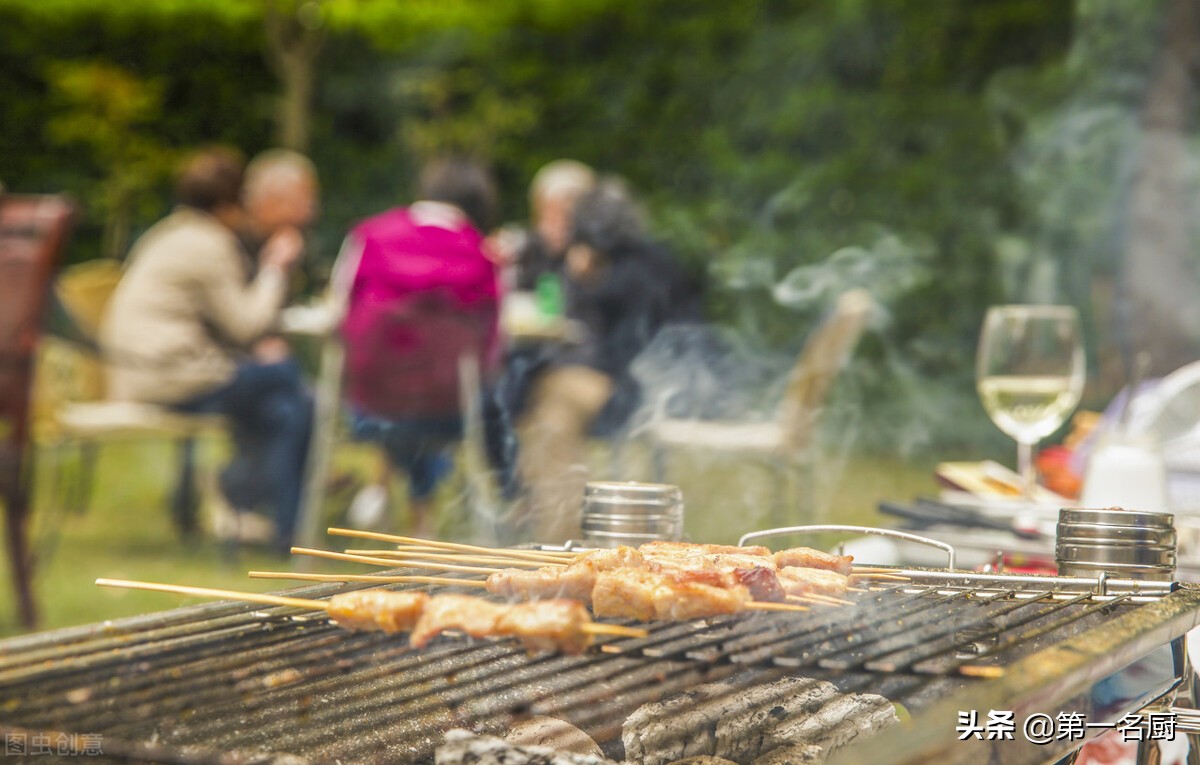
(549, 296)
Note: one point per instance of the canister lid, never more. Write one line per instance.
(1115, 516)
(632, 491)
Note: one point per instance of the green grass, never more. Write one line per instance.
(127, 532)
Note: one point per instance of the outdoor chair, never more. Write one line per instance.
(784, 444)
(75, 415)
(33, 233)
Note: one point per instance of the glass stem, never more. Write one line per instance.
(1025, 468)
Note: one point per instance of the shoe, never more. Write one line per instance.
(229, 524)
(369, 509)
(254, 529)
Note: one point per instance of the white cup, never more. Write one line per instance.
(1128, 473)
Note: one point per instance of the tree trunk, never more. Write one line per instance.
(295, 104)
(294, 39)
(1161, 309)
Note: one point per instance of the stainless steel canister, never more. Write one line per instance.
(1129, 544)
(627, 513)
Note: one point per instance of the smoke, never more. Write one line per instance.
(889, 269)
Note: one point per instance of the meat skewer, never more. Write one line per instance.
(562, 625)
(579, 579)
(625, 592)
(802, 557)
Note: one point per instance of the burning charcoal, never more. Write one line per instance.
(742, 737)
(799, 754)
(553, 733)
(832, 726)
(465, 748)
(685, 725)
(805, 717)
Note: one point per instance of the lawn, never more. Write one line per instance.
(126, 531)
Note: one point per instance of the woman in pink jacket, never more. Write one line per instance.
(425, 297)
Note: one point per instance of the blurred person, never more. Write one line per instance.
(623, 288)
(184, 327)
(424, 293)
(279, 192)
(538, 253)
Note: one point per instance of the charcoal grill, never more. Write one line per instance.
(233, 683)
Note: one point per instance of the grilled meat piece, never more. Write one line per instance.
(648, 595)
(763, 584)
(377, 610)
(542, 625)
(809, 581)
(574, 581)
(806, 557)
(687, 548)
(474, 616)
(547, 625)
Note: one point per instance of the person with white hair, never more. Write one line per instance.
(280, 191)
(538, 254)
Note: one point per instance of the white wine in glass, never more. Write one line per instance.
(1030, 374)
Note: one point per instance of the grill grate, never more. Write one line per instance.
(217, 678)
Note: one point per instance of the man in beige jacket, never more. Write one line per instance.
(186, 327)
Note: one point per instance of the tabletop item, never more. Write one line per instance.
(1030, 373)
(1127, 544)
(627, 513)
(1127, 471)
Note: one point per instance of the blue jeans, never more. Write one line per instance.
(419, 447)
(271, 412)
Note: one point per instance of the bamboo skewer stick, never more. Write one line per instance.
(394, 538)
(880, 577)
(820, 597)
(593, 628)
(808, 602)
(390, 563)
(401, 555)
(376, 578)
(209, 592)
(757, 606)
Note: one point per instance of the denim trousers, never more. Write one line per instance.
(271, 412)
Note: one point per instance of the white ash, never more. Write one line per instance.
(463, 747)
(791, 720)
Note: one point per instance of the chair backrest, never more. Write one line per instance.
(407, 364)
(84, 290)
(33, 232)
(823, 357)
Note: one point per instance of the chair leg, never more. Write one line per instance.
(14, 494)
(186, 502)
(88, 455)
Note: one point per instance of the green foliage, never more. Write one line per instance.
(107, 110)
(910, 147)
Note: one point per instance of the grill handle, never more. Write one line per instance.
(871, 530)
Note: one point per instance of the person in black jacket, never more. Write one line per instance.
(623, 288)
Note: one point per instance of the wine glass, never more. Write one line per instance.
(1030, 374)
